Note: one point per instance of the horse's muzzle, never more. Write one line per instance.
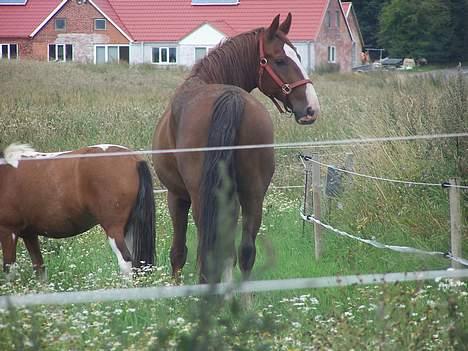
(308, 118)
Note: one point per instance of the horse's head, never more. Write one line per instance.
(281, 75)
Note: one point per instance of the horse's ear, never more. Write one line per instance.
(273, 28)
(286, 25)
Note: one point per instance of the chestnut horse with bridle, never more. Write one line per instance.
(213, 108)
(59, 195)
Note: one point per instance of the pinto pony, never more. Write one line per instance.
(56, 197)
(213, 108)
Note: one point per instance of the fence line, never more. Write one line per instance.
(408, 182)
(375, 243)
(157, 191)
(325, 143)
(155, 293)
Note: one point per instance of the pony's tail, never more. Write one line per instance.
(140, 227)
(227, 112)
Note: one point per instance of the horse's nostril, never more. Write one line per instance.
(310, 111)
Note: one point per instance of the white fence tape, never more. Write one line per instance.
(155, 293)
(375, 243)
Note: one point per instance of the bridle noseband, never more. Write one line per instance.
(286, 88)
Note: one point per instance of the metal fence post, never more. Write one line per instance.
(316, 187)
(455, 222)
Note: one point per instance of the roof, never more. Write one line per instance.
(172, 20)
(346, 7)
(18, 21)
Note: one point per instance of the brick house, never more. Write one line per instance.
(358, 41)
(168, 32)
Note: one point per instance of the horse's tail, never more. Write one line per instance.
(140, 227)
(227, 112)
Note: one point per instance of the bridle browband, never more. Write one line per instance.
(286, 88)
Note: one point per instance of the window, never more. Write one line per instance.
(337, 19)
(9, 51)
(112, 54)
(100, 24)
(164, 55)
(328, 19)
(60, 24)
(200, 53)
(331, 54)
(60, 52)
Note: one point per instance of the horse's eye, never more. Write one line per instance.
(280, 61)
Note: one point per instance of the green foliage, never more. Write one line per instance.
(367, 12)
(416, 29)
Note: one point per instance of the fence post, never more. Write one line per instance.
(317, 192)
(349, 162)
(455, 222)
(307, 210)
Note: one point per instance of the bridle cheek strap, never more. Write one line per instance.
(286, 88)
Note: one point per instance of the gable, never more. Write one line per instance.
(205, 35)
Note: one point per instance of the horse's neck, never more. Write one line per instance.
(230, 64)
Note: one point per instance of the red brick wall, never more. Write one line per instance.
(338, 37)
(79, 31)
(353, 24)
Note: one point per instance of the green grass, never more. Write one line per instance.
(60, 107)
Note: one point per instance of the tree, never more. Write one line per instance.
(459, 41)
(416, 29)
(367, 12)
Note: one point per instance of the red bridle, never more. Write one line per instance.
(286, 88)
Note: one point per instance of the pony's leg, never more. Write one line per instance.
(117, 243)
(178, 209)
(8, 241)
(32, 244)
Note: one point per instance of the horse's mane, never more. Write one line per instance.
(13, 152)
(230, 62)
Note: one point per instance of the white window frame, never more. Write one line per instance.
(165, 62)
(106, 53)
(200, 47)
(100, 19)
(64, 52)
(9, 51)
(331, 54)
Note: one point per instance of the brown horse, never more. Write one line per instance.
(43, 194)
(213, 108)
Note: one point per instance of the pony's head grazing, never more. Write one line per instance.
(13, 153)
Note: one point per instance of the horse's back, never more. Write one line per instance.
(66, 196)
(186, 125)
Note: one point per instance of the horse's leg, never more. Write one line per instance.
(116, 238)
(178, 209)
(251, 221)
(32, 244)
(8, 241)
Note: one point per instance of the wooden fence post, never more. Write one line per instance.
(317, 192)
(455, 222)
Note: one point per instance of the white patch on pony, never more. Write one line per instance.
(125, 267)
(14, 152)
(104, 147)
(311, 95)
(13, 236)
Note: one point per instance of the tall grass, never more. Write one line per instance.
(59, 107)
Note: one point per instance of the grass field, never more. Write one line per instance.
(60, 107)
